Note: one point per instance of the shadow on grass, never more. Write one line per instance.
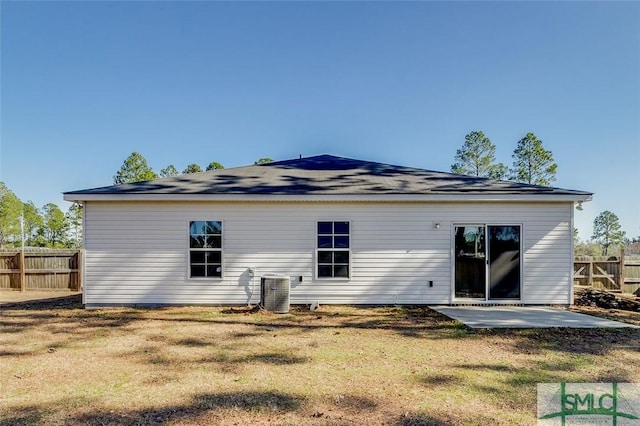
(276, 358)
(64, 302)
(9, 352)
(250, 401)
(254, 402)
(489, 367)
(421, 420)
(60, 329)
(439, 379)
(355, 403)
(571, 341)
(232, 364)
(24, 416)
(416, 322)
(192, 342)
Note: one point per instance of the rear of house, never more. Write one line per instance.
(344, 231)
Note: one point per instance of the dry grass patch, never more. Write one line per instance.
(340, 365)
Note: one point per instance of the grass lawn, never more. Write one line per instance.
(61, 364)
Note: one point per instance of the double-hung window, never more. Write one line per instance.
(205, 249)
(333, 249)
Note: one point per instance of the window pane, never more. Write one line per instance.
(325, 227)
(214, 271)
(197, 227)
(205, 235)
(197, 256)
(324, 271)
(340, 227)
(214, 227)
(196, 241)
(197, 270)
(341, 256)
(341, 242)
(325, 257)
(214, 242)
(214, 256)
(325, 242)
(470, 241)
(341, 271)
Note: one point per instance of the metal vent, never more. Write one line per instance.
(274, 293)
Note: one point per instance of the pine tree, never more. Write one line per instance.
(477, 158)
(134, 169)
(532, 163)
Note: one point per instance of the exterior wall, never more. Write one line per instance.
(137, 252)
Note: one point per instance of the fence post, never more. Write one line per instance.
(590, 272)
(23, 272)
(621, 277)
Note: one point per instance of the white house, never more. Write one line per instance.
(343, 230)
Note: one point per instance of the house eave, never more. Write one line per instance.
(467, 197)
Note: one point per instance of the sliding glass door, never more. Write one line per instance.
(504, 262)
(470, 264)
(487, 262)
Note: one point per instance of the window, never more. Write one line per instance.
(205, 249)
(333, 254)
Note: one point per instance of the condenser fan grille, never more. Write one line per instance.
(274, 292)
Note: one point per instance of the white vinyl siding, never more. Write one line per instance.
(137, 253)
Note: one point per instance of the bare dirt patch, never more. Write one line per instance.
(61, 364)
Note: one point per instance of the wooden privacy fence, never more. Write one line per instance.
(609, 273)
(40, 269)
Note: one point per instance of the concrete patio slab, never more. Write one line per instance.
(524, 317)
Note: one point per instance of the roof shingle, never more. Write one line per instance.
(324, 175)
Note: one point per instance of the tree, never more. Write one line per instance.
(192, 168)
(74, 219)
(169, 171)
(477, 158)
(264, 160)
(606, 231)
(632, 246)
(55, 225)
(587, 248)
(10, 211)
(533, 164)
(32, 223)
(214, 165)
(134, 169)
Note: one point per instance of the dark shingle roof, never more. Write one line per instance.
(323, 175)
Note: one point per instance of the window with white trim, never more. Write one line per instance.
(205, 249)
(333, 249)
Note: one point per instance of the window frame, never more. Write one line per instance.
(332, 250)
(204, 250)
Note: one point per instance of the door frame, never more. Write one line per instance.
(486, 299)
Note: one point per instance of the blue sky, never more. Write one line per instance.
(84, 84)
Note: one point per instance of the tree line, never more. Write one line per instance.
(47, 226)
(532, 163)
(136, 169)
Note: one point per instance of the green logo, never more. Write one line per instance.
(588, 404)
